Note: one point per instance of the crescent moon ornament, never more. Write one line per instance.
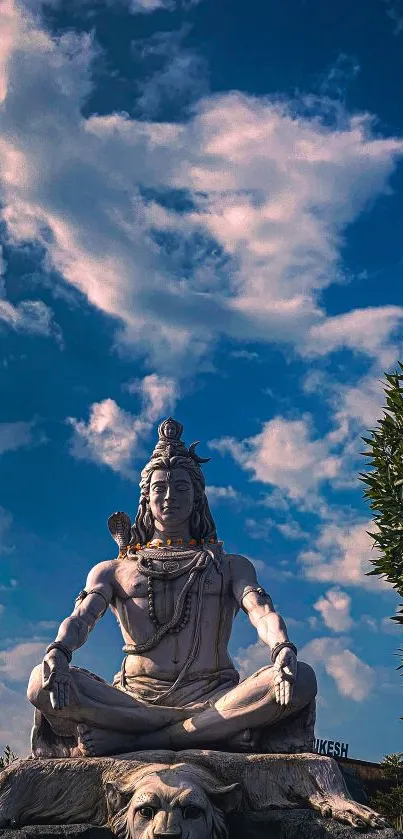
(195, 456)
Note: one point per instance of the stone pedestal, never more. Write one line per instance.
(274, 824)
(252, 795)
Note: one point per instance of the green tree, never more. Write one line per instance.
(7, 757)
(390, 803)
(384, 486)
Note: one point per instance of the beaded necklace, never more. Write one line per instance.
(171, 569)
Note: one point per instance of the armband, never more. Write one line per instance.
(249, 589)
(83, 594)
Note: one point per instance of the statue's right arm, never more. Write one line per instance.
(90, 606)
(74, 630)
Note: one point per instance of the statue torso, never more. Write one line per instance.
(131, 605)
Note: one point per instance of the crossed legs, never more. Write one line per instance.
(109, 720)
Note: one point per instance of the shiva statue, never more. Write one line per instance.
(175, 593)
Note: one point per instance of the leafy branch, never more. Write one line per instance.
(384, 486)
(390, 803)
(7, 757)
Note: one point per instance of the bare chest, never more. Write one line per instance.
(141, 601)
(133, 584)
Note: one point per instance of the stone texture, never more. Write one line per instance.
(297, 824)
(57, 831)
(275, 824)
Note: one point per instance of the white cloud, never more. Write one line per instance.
(270, 188)
(17, 663)
(285, 455)
(13, 435)
(369, 331)
(158, 393)
(228, 493)
(341, 554)
(32, 317)
(334, 607)
(16, 713)
(245, 355)
(359, 406)
(148, 6)
(16, 718)
(180, 73)
(112, 436)
(390, 627)
(6, 521)
(291, 530)
(252, 658)
(262, 528)
(354, 678)
(395, 12)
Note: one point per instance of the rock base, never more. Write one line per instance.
(297, 824)
(274, 824)
(256, 793)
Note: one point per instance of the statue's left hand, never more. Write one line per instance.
(285, 667)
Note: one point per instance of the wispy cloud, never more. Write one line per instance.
(334, 606)
(267, 189)
(112, 436)
(354, 678)
(284, 454)
(252, 658)
(30, 316)
(17, 662)
(16, 719)
(14, 435)
(370, 331)
(245, 355)
(16, 714)
(148, 6)
(225, 493)
(6, 521)
(394, 10)
(341, 554)
(179, 73)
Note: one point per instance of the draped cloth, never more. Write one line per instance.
(197, 691)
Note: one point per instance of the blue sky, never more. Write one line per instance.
(201, 212)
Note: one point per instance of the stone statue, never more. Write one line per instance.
(175, 593)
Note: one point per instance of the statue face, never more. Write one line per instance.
(171, 497)
(161, 809)
(170, 431)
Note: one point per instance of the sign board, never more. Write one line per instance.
(331, 748)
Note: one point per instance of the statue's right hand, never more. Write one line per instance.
(56, 679)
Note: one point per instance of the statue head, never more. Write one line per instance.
(172, 489)
(180, 801)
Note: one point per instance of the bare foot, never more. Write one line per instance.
(245, 741)
(98, 742)
(348, 811)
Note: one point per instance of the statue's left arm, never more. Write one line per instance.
(270, 626)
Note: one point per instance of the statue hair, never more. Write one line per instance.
(201, 524)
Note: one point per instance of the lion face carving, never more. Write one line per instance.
(179, 802)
